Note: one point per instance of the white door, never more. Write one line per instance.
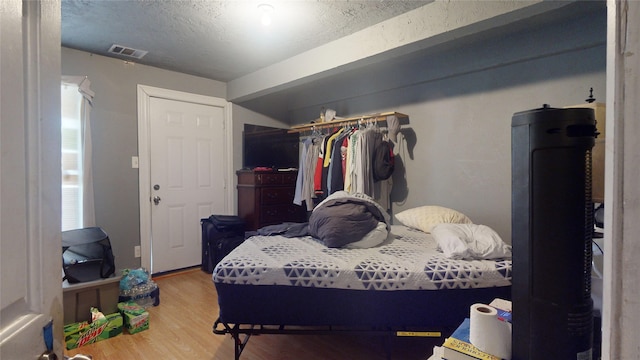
(31, 253)
(187, 178)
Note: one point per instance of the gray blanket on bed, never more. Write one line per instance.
(345, 218)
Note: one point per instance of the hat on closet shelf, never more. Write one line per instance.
(329, 114)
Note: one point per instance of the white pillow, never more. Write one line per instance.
(426, 217)
(470, 242)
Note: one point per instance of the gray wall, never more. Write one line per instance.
(114, 121)
(456, 149)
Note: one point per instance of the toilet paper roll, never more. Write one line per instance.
(489, 333)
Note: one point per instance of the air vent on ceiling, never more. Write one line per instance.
(127, 51)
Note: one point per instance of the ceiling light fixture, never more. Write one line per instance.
(265, 14)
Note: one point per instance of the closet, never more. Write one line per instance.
(273, 197)
(347, 154)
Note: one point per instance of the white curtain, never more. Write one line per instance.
(88, 206)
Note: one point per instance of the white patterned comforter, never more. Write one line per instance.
(410, 261)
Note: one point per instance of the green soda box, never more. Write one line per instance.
(83, 333)
(136, 318)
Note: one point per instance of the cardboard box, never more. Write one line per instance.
(136, 318)
(82, 333)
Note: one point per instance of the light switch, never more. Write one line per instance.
(134, 162)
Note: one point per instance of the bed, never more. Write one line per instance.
(274, 284)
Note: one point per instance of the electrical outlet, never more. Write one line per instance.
(136, 251)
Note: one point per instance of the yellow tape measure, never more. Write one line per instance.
(419, 333)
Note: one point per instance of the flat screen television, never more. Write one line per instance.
(265, 146)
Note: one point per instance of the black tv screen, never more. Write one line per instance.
(265, 146)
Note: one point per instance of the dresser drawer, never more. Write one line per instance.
(276, 178)
(277, 195)
(269, 179)
(266, 198)
(290, 178)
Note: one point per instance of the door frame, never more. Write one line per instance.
(30, 284)
(145, 93)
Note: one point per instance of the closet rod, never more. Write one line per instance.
(342, 121)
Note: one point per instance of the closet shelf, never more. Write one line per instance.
(345, 121)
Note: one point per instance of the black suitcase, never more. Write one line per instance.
(220, 235)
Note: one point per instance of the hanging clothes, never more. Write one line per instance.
(297, 197)
(318, 171)
(308, 193)
(332, 145)
(369, 138)
(348, 168)
(304, 192)
(345, 159)
(335, 177)
(324, 171)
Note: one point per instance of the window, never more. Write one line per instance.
(72, 172)
(77, 172)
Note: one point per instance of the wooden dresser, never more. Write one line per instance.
(266, 198)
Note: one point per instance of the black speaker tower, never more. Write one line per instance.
(552, 229)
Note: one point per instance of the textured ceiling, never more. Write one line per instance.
(219, 40)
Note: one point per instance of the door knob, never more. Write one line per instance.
(156, 199)
(48, 355)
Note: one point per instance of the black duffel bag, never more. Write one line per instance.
(86, 255)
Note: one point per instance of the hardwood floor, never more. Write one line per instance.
(181, 328)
